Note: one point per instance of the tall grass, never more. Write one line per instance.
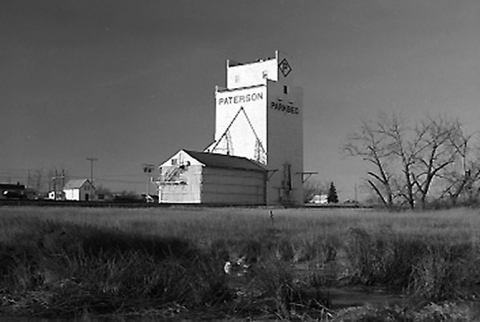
(63, 261)
(237, 223)
(61, 268)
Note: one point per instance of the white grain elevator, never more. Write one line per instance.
(259, 116)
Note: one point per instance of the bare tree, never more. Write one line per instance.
(373, 146)
(38, 179)
(462, 175)
(403, 148)
(407, 161)
(436, 151)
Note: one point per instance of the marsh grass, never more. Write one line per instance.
(197, 224)
(61, 262)
(58, 269)
(432, 312)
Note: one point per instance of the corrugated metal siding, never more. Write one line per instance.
(187, 192)
(233, 187)
(211, 179)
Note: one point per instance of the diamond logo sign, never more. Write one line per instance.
(284, 67)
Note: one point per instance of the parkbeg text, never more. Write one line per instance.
(285, 108)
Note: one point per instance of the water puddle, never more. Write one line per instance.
(84, 319)
(27, 319)
(357, 296)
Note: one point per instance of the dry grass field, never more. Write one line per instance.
(286, 264)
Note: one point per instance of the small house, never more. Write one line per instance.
(79, 189)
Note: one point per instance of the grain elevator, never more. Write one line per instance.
(258, 121)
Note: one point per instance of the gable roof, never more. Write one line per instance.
(216, 160)
(75, 183)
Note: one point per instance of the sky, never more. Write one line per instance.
(132, 82)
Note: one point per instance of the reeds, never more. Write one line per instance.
(65, 262)
(61, 268)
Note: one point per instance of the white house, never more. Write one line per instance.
(79, 189)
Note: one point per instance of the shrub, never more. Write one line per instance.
(59, 270)
(445, 312)
(276, 281)
(440, 272)
(369, 313)
(374, 257)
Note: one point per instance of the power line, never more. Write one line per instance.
(119, 175)
(120, 181)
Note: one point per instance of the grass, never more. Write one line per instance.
(169, 261)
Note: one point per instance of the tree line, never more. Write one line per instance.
(430, 161)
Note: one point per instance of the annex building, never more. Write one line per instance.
(257, 153)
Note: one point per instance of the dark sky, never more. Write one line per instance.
(131, 82)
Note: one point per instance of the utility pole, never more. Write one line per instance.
(91, 168)
(55, 183)
(28, 179)
(148, 169)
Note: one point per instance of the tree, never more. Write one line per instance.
(372, 145)
(408, 161)
(400, 148)
(40, 182)
(126, 196)
(460, 177)
(103, 193)
(438, 139)
(332, 194)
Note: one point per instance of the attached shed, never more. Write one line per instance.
(79, 189)
(210, 178)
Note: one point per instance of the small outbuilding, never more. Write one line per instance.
(56, 195)
(319, 199)
(8, 190)
(209, 178)
(79, 189)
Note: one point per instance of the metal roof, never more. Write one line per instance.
(224, 89)
(16, 186)
(216, 160)
(75, 183)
